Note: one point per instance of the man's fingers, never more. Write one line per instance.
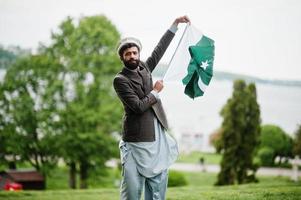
(183, 19)
(187, 19)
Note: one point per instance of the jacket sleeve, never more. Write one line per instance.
(129, 98)
(159, 50)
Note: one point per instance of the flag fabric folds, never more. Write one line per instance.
(200, 69)
(192, 62)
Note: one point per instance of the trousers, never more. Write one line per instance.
(133, 183)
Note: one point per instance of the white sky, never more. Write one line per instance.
(252, 37)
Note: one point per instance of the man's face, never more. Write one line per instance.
(130, 57)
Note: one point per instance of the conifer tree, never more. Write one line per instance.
(297, 142)
(240, 134)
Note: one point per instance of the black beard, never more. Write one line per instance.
(131, 64)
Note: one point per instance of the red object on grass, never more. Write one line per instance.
(13, 186)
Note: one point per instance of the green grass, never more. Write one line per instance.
(278, 191)
(208, 179)
(245, 192)
(90, 194)
(58, 179)
(200, 186)
(194, 157)
(200, 178)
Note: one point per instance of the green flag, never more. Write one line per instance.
(200, 68)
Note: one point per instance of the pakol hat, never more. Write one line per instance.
(128, 40)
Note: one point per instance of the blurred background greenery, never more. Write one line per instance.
(60, 115)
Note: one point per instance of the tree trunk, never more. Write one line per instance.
(83, 175)
(72, 175)
(12, 165)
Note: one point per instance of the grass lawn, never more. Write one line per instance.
(200, 186)
(194, 157)
(243, 192)
(107, 178)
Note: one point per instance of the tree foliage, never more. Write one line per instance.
(28, 105)
(240, 135)
(216, 140)
(61, 104)
(297, 142)
(90, 109)
(274, 142)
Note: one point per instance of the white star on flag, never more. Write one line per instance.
(192, 62)
(204, 65)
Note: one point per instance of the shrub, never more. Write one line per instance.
(176, 179)
(266, 156)
(274, 142)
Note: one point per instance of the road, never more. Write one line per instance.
(191, 167)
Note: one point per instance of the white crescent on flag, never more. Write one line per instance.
(192, 62)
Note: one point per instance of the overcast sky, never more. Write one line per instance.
(252, 37)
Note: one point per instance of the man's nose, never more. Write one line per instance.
(132, 55)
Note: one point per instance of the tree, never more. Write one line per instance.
(61, 103)
(90, 111)
(28, 105)
(239, 138)
(274, 142)
(297, 142)
(216, 140)
(250, 137)
(4, 147)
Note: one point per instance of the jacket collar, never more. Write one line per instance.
(133, 74)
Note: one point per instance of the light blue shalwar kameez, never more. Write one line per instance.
(145, 165)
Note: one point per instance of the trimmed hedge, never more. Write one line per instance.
(176, 179)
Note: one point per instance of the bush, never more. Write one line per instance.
(274, 137)
(274, 142)
(266, 156)
(176, 179)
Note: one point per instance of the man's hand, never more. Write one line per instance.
(158, 86)
(182, 19)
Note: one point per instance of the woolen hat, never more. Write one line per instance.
(128, 40)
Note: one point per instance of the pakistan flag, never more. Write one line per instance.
(200, 68)
(192, 62)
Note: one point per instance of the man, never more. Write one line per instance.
(146, 151)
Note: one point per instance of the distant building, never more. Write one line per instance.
(191, 141)
(29, 179)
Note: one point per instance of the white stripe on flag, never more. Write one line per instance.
(177, 67)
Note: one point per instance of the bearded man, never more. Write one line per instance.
(146, 149)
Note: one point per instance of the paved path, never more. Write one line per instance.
(190, 167)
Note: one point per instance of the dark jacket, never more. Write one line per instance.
(140, 105)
